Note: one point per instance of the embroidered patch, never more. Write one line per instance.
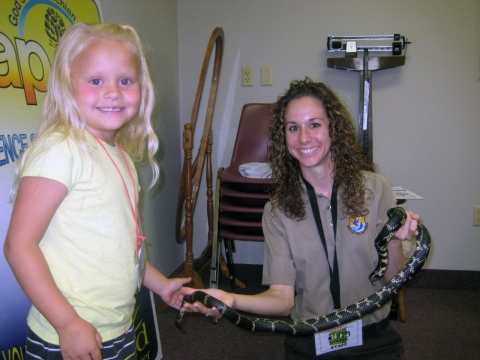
(357, 225)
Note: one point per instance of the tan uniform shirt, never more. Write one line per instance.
(294, 254)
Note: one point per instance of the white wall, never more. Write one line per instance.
(156, 22)
(426, 113)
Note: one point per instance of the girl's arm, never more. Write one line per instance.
(167, 289)
(278, 300)
(37, 201)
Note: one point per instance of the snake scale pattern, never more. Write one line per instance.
(397, 217)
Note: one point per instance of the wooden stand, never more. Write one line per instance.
(192, 173)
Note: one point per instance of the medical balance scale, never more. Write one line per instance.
(392, 50)
(393, 46)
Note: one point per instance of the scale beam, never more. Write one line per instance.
(396, 43)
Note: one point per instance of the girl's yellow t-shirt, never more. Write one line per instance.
(90, 242)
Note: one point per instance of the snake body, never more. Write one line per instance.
(350, 313)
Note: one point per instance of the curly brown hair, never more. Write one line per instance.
(347, 156)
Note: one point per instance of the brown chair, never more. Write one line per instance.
(250, 146)
(239, 200)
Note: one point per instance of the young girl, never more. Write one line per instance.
(74, 243)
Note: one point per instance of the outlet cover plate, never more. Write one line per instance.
(476, 216)
(247, 76)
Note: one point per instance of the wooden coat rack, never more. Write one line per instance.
(192, 173)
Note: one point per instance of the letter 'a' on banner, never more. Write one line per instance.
(29, 33)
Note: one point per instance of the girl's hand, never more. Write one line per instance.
(221, 295)
(171, 294)
(408, 230)
(80, 340)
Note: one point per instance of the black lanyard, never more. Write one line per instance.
(334, 274)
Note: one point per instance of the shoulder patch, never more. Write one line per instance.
(357, 225)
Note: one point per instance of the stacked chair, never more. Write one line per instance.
(239, 200)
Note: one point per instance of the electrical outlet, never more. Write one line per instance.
(247, 76)
(476, 216)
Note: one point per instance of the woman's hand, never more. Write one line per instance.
(408, 230)
(396, 258)
(221, 295)
(278, 300)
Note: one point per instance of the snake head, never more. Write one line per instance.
(395, 210)
(189, 299)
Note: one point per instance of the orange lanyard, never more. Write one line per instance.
(133, 207)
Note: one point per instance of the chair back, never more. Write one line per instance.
(252, 135)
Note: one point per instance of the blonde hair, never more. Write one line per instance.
(61, 113)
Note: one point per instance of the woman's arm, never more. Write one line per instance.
(396, 259)
(278, 300)
(37, 201)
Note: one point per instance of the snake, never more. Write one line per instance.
(397, 217)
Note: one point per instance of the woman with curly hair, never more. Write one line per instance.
(327, 207)
(348, 161)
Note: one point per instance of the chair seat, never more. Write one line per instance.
(236, 212)
(243, 216)
(232, 179)
(232, 174)
(228, 234)
(244, 199)
(232, 207)
(225, 220)
(240, 227)
(225, 190)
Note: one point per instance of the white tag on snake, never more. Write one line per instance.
(341, 337)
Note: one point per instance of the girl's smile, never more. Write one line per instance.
(105, 78)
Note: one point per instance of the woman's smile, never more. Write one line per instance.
(307, 132)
